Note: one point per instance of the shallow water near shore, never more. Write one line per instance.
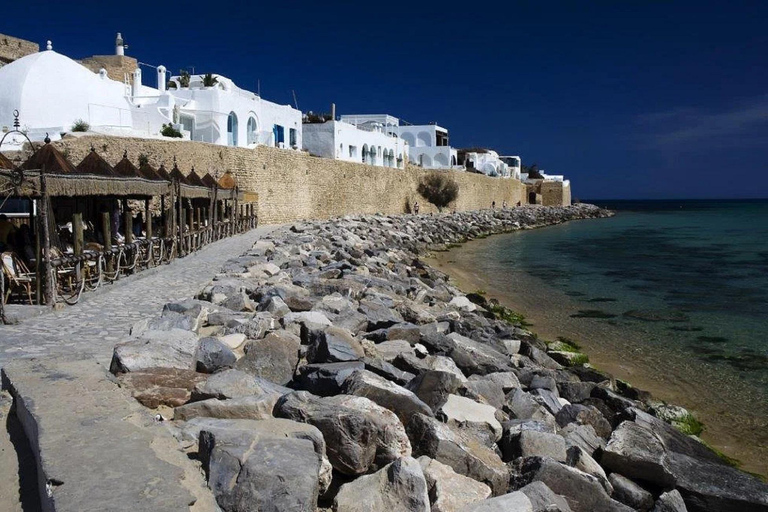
(668, 295)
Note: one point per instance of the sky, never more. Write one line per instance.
(629, 99)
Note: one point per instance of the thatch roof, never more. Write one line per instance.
(94, 164)
(209, 181)
(163, 173)
(227, 181)
(194, 179)
(5, 163)
(50, 158)
(126, 169)
(176, 174)
(150, 173)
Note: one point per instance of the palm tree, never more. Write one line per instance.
(209, 80)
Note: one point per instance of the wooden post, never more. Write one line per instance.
(148, 220)
(106, 230)
(191, 224)
(77, 246)
(46, 266)
(38, 251)
(199, 216)
(128, 226)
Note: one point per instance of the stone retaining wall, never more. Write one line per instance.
(294, 185)
(12, 48)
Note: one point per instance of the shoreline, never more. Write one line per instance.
(610, 356)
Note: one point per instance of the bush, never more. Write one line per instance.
(169, 131)
(143, 159)
(184, 79)
(80, 126)
(438, 189)
(209, 80)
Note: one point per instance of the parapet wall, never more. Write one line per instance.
(117, 66)
(12, 48)
(293, 185)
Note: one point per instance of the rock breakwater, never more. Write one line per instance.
(330, 368)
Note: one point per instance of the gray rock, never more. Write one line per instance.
(235, 384)
(273, 358)
(405, 331)
(539, 357)
(512, 502)
(543, 499)
(548, 399)
(389, 350)
(258, 326)
(276, 306)
(361, 436)
(388, 371)
(433, 387)
(507, 380)
(473, 357)
(257, 407)
(583, 492)
(397, 399)
(473, 417)
(530, 443)
(584, 415)
(629, 493)
(398, 486)
(490, 391)
(543, 382)
(583, 436)
(196, 310)
(334, 345)
(448, 490)
(169, 349)
(271, 465)
(637, 453)
(325, 379)
(307, 317)
(463, 452)
(670, 501)
(213, 355)
(379, 315)
(575, 392)
(578, 458)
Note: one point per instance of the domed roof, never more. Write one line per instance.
(52, 91)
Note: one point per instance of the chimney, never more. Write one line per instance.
(136, 82)
(119, 46)
(161, 78)
(333, 111)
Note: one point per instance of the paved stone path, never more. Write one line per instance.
(104, 317)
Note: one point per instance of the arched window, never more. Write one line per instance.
(424, 139)
(253, 130)
(365, 153)
(232, 129)
(453, 160)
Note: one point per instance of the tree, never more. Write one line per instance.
(533, 172)
(184, 79)
(438, 189)
(209, 80)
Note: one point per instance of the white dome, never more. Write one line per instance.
(52, 91)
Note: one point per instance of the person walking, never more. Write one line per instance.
(416, 207)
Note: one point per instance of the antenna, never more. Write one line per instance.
(295, 102)
(258, 87)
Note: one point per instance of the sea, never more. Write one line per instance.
(671, 296)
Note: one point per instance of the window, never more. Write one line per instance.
(352, 151)
(252, 131)
(279, 133)
(292, 137)
(232, 129)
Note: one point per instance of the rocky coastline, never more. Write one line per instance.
(329, 368)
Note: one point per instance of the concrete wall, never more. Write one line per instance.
(294, 185)
(12, 48)
(117, 66)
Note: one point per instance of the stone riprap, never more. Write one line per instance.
(414, 396)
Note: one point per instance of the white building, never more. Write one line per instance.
(367, 144)
(487, 162)
(514, 164)
(52, 92)
(427, 144)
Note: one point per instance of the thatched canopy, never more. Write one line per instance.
(5, 163)
(95, 164)
(209, 181)
(126, 169)
(50, 158)
(150, 173)
(163, 173)
(227, 181)
(195, 180)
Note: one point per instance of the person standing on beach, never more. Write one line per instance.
(416, 207)
(493, 205)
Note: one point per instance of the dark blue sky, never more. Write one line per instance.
(629, 99)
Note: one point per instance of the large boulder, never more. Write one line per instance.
(473, 417)
(156, 349)
(512, 502)
(434, 386)
(637, 453)
(583, 492)
(334, 345)
(477, 358)
(235, 384)
(273, 358)
(398, 486)
(387, 394)
(257, 407)
(154, 387)
(325, 379)
(670, 501)
(530, 443)
(543, 499)
(262, 465)
(449, 491)
(463, 452)
(361, 436)
(214, 355)
(629, 493)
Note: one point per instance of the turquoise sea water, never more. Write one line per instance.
(671, 293)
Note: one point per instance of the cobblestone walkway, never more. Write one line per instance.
(104, 317)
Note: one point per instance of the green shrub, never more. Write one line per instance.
(143, 159)
(689, 425)
(80, 126)
(209, 80)
(169, 131)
